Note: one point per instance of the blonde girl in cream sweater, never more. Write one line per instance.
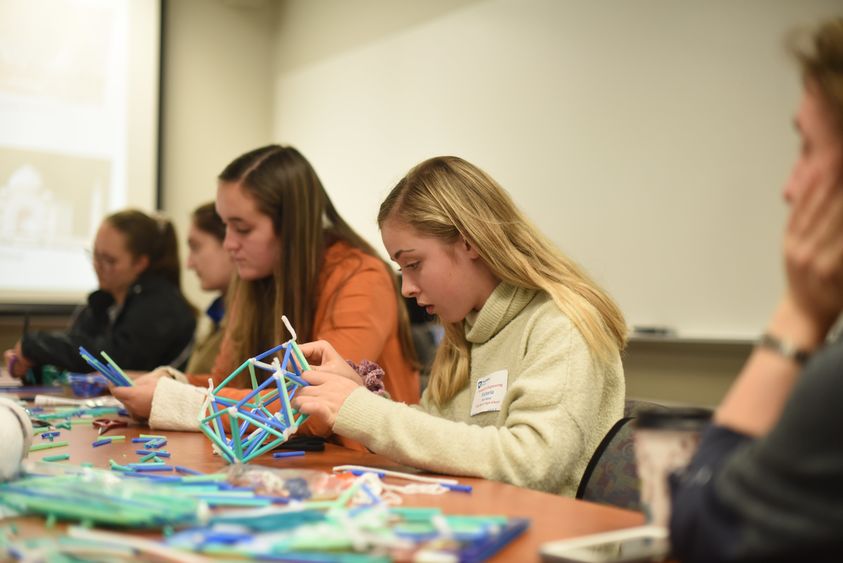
(528, 378)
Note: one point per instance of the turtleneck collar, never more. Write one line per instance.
(505, 302)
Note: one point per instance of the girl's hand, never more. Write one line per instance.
(138, 398)
(813, 250)
(16, 362)
(321, 355)
(325, 395)
(9, 360)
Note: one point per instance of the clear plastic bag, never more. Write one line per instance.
(293, 484)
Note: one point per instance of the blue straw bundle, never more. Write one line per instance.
(110, 370)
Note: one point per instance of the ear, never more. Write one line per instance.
(140, 264)
(468, 248)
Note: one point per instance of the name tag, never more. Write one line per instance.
(489, 392)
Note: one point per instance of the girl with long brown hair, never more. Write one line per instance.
(295, 256)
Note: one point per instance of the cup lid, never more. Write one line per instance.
(684, 418)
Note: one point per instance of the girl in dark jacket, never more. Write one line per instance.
(138, 316)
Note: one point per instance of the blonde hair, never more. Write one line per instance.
(448, 198)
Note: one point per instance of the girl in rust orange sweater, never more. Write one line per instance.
(296, 256)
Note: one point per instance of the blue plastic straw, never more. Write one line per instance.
(461, 488)
(189, 471)
(160, 453)
(269, 352)
(297, 453)
(149, 467)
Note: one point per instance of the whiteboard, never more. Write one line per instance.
(649, 139)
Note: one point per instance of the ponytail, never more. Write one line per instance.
(153, 237)
(164, 260)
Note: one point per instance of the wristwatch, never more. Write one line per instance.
(785, 349)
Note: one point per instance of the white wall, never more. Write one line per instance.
(649, 138)
(220, 101)
(217, 100)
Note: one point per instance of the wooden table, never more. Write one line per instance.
(551, 516)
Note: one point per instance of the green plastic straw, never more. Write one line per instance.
(57, 457)
(233, 374)
(252, 375)
(233, 417)
(197, 490)
(126, 378)
(212, 416)
(288, 408)
(299, 356)
(117, 467)
(47, 446)
(411, 513)
(213, 437)
(213, 477)
(346, 495)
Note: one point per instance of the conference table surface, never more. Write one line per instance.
(551, 516)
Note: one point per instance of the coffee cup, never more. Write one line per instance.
(665, 441)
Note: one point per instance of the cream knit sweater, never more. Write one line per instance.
(557, 407)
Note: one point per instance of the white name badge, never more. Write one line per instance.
(489, 392)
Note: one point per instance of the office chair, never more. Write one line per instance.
(611, 475)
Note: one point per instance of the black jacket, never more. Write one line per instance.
(155, 327)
